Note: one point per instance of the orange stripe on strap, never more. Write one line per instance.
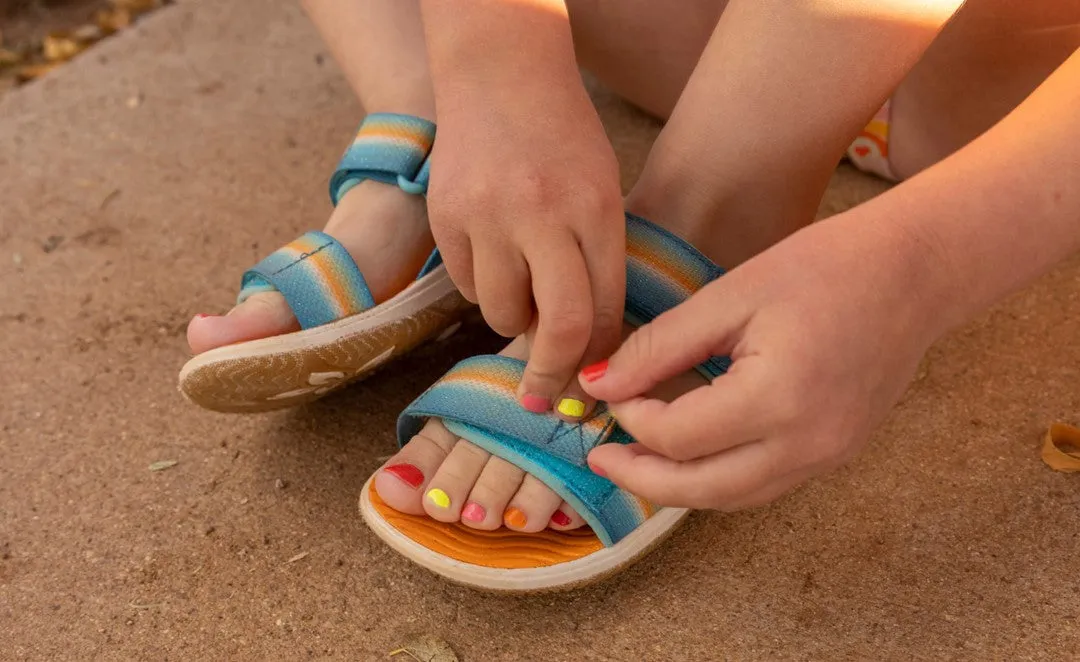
(656, 260)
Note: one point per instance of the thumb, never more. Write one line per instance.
(673, 343)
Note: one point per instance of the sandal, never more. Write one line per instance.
(344, 336)
(476, 401)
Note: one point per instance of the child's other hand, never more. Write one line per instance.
(826, 330)
(526, 209)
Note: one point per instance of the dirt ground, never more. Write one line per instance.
(947, 539)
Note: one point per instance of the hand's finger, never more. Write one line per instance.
(734, 409)
(456, 251)
(704, 325)
(564, 322)
(502, 287)
(710, 482)
(605, 260)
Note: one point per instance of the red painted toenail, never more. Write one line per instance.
(535, 403)
(597, 470)
(560, 518)
(473, 512)
(203, 315)
(407, 474)
(591, 373)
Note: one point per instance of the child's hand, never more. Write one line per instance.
(825, 329)
(526, 209)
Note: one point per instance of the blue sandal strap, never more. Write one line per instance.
(662, 271)
(389, 148)
(317, 277)
(476, 400)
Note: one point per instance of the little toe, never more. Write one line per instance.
(445, 495)
(487, 501)
(262, 315)
(565, 518)
(403, 480)
(531, 508)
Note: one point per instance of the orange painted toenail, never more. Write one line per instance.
(515, 518)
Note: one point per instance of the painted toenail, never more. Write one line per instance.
(201, 316)
(597, 470)
(591, 373)
(407, 474)
(560, 518)
(535, 403)
(572, 407)
(473, 512)
(439, 498)
(515, 518)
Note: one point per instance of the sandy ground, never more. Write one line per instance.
(948, 538)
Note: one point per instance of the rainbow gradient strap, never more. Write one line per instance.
(317, 276)
(477, 400)
(389, 148)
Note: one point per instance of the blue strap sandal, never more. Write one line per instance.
(476, 401)
(344, 336)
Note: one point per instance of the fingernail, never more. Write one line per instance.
(407, 474)
(560, 518)
(535, 403)
(591, 373)
(572, 407)
(597, 470)
(515, 518)
(473, 512)
(439, 498)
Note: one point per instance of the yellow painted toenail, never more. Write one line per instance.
(571, 407)
(439, 498)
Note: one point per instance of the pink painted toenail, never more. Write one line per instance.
(535, 403)
(597, 470)
(473, 512)
(203, 315)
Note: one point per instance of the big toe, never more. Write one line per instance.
(403, 480)
(260, 316)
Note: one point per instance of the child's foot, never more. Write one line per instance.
(454, 480)
(386, 232)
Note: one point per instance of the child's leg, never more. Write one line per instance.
(738, 166)
(379, 45)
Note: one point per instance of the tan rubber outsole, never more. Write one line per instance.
(499, 561)
(295, 368)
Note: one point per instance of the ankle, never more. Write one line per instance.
(729, 220)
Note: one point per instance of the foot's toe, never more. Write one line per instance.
(403, 480)
(531, 508)
(261, 316)
(446, 494)
(487, 501)
(565, 518)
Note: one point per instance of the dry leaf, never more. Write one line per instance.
(111, 20)
(426, 648)
(88, 33)
(32, 71)
(134, 6)
(8, 58)
(163, 465)
(60, 46)
(1061, 448)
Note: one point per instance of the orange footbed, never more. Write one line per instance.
(494, 549)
